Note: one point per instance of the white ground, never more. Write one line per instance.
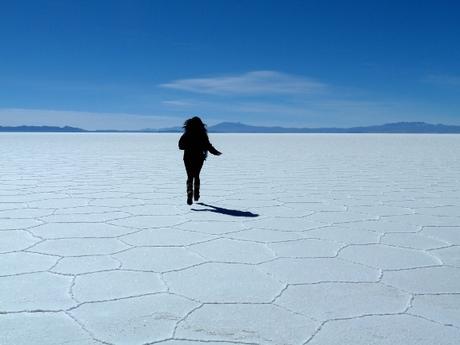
(357, 241)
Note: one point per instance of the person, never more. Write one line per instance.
(195, 143)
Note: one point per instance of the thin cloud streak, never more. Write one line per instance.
(251, 83)
(178, 103)
(443, 79)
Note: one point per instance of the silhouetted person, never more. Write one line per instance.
(195, 143)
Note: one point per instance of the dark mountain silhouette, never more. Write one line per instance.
(41, 129)
(237, 127)
(398, 127)
(166, 130)
(407, 127)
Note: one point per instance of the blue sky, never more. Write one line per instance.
(137, 64)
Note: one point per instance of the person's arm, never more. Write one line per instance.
(182, 142)
(213, 150)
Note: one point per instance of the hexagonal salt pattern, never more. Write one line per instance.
(157, 259)
(425, 280)
(413, 241)
(443, 308)
(385, 330)
(69, 230)
(79, 246)
(195, 342)
(450, 235)
(115, 284)
(93, 217)
(169, 237)
(47, 328)
(21, 262)
(148, 222)
(343, 234)
(85, 264)
(11, 241)
(137, 320)
(386, 257)
(226, 250)
(35, 291)
(243, 323)
(18, 224)
(326, 301)
(263, 236)
(306, 248)
(302, 271)
(212, 227)
(224, 282)
(355, 241)
(449, 256)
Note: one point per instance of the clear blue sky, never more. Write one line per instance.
(136, 64)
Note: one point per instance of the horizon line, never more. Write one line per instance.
(391, 127)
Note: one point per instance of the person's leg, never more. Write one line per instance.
(196, 194)
(190, 173)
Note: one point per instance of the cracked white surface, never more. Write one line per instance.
(11, 240)
(137, 320)
(69, 230)
(35, 291)
(312, 270)
(224, 282)
(78, 246)
(227, 250)
(386, 330)
(212, 227)
(414, 241)
(306, 248)
(355, 241)
(157, 259)
(167, 237)
(443, 308)
(115, 284)
(74, 265)
(425, 280)
(46, 328)
(346, 235)
(240, 323)
(387, 257)
(22, 262)
(450, 235)
(325, 301)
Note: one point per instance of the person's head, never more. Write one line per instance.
(194, 125)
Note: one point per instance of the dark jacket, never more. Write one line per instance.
(196, 148)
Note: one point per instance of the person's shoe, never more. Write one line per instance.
(196, 192)
(189, 192)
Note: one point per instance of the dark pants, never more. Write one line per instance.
(193, 168)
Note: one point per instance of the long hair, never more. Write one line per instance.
(196, 129)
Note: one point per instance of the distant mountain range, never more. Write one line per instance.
(232, 127)
(398, 127)
(40, 129)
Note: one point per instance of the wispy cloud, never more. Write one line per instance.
(251, 83)
(178, 102)
(443, 79)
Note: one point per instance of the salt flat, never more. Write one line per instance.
(304, 239)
